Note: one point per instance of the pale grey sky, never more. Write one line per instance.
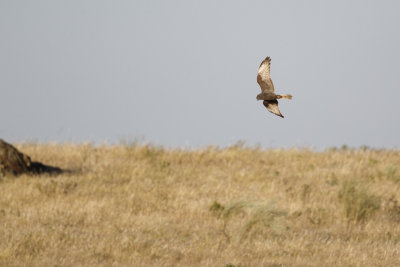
(183, 73)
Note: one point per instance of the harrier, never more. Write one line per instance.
(267, 88)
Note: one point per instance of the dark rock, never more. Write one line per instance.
(12, 161)
(15, 163)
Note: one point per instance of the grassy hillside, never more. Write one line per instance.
(148, 206)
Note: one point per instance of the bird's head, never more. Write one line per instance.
(259, 97)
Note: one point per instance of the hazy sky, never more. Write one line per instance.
(183, 73)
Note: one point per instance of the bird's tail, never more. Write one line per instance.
(286, 96)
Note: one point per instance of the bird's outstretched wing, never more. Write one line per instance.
(264, 76)
(272, 106)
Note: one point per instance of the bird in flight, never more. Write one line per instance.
(267, 88)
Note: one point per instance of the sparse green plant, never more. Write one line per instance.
(152, 152)
(216, 207)
(372, 161)
(333, 180)
(233, 265)
(393, 209)
(255, 218)
(357, 202)
(364, 147)
(392, 173)
(305, 192)
(164, 165)
(53, 187)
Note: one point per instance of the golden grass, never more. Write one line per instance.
(141, 205)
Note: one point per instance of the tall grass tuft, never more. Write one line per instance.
(246, 219)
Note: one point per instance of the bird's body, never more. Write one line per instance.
(267, 88)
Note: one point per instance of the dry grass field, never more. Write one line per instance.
(142, 205)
